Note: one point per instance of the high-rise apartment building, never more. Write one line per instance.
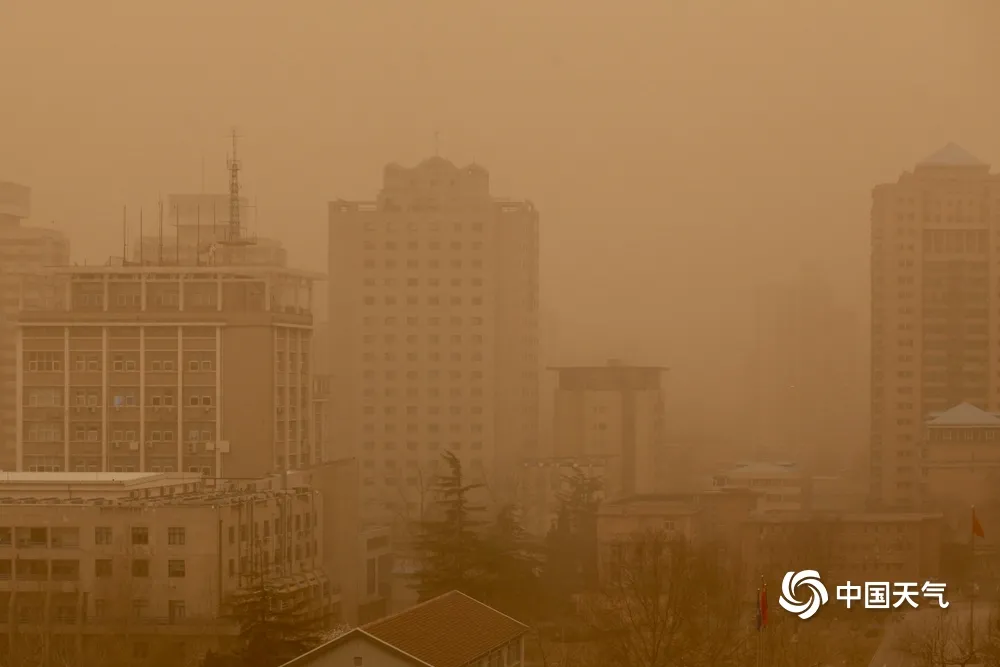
(433, 305)
(935, 271)
(615, 412)
(166, 368)
(23, 252)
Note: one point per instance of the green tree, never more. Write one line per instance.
(511, 562)
(449, 542)
(275, 626)
(571, 545)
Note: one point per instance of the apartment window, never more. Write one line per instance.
(176, 536)
(176, 610)
(139, 607)
(140, 535)
(102, 568)
(175, 568)
(140, 567)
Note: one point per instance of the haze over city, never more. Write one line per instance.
(685, 198)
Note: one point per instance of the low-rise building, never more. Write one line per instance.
(960, 465)
(712, 517)
(544, 480)
(452, 630)
(781, 486)
(841, 547)
(155, 564)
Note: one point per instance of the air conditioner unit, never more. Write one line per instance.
(207, 408)
(116, 445)
(134, 446)
(209, 446)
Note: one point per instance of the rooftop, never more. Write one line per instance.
(952, 155)
(451, 630)
(964, 414)
(89, 478)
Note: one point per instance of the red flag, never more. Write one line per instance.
(763, 605)
(977, 528)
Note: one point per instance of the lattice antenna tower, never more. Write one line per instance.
(235, 235)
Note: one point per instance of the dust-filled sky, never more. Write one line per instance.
(681, 151)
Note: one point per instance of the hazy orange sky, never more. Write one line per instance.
(681, 152)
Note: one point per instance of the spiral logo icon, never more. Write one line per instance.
(807, 579)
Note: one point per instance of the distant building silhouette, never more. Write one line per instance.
(24, 251)
(807, 364)
(935, 335)
(433, 320)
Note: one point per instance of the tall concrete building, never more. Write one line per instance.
(166, 368)
(24, 251)
(809, 358)
(433, 325)
(615, 412)
(935, 268)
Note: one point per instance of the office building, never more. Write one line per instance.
(160, 368)
(614, 411)
(24, 251)
(433, 331)
(152, 567)
(935, 304)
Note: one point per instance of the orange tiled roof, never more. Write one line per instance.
(449, 631)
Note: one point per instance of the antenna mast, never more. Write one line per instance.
(234, 195)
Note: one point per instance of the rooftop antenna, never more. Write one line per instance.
(141, 262)
(203, 173)
(177, 233)
(124, 234)
(234, 193)
(159, 243)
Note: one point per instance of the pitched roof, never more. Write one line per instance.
(952, 155)
(308, 657)
(964, 414)
(449, 631)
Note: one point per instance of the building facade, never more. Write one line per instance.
(152, 368)
(24, 251)
(960, 464)
(614, 411)
(935, 314)
(153, 568)
(434, 346)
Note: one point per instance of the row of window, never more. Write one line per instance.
(392, 227)
(390, 410)
(53, 362)
(415, 282)
(413, 321)
(84, 300)
(414, 245)
(431, 264)
(430, 301)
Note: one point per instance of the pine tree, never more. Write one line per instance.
(512, 563)
(571, 545)
(449, 544)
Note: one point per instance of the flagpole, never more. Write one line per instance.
(759, 621)
(972, 588)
